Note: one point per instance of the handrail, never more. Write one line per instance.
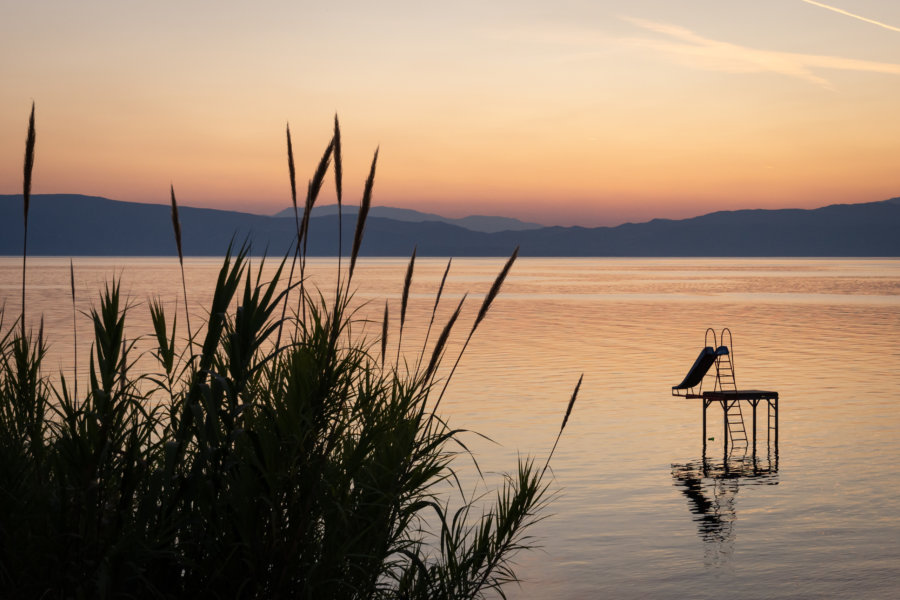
(730, 346)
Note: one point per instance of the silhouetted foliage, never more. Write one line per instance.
(250, 469)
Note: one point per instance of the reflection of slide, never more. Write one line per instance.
(701, 366)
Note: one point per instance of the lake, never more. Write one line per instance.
(639, 511)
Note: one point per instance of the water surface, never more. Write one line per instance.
(640, 512)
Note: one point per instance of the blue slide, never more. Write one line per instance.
(701, 366)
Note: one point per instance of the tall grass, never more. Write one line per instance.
(26, 201)
(251, 469)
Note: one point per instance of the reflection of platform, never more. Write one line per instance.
(711, 487)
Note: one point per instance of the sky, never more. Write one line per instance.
(563, 113)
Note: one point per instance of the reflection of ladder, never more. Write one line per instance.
(725, 382)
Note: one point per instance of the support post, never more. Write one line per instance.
(776, 426)
(704, 404)
(725, 427)
(754, 426)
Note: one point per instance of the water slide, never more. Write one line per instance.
(701, 366)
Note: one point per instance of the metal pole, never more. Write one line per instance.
(725, 427)
(754, 426)
(776, 426)
(704, 405)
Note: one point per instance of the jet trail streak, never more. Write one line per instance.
(850, 14)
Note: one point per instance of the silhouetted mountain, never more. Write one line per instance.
(481, 223)
(67, 224)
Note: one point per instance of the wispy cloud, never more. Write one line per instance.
(693, 50)
(850, 14)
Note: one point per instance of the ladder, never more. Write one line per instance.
(772, 411)
(736, 430)
(725, 382)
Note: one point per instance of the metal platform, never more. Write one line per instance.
(725, 393)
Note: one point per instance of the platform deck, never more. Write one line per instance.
(720, 395)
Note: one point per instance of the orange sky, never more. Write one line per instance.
(586, 113)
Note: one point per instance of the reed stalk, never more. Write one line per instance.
(312, 193)
(176, 227)
(438, 350)
(564, 421)
(407, 282)
(26, 200)
(361, 217)
(74, 326)
(437, 301)
(482, 313)
(293, 177)
(384, 333)
(338, 185)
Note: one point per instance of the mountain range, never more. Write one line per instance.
(481, 223)
(76, 225)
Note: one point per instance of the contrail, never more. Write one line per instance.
(850, 14)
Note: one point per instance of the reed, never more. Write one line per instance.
(404, 301)
(176, 228)
(293, 176)
(338, 185)
(313, 189)
(74, 326)
(363, 214)
(438, 350)
(564, 421)
(482, 313)
(245, 468)
(437, 301)
(312, 193)
(384, 333)
(494, 291)
(292, 173)
(26, 200)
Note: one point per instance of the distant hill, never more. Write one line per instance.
(67, 224)
(481, 223)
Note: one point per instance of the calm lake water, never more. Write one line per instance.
(638, 513)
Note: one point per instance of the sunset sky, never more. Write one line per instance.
(565, 112)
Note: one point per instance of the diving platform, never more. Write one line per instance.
(726, 393)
